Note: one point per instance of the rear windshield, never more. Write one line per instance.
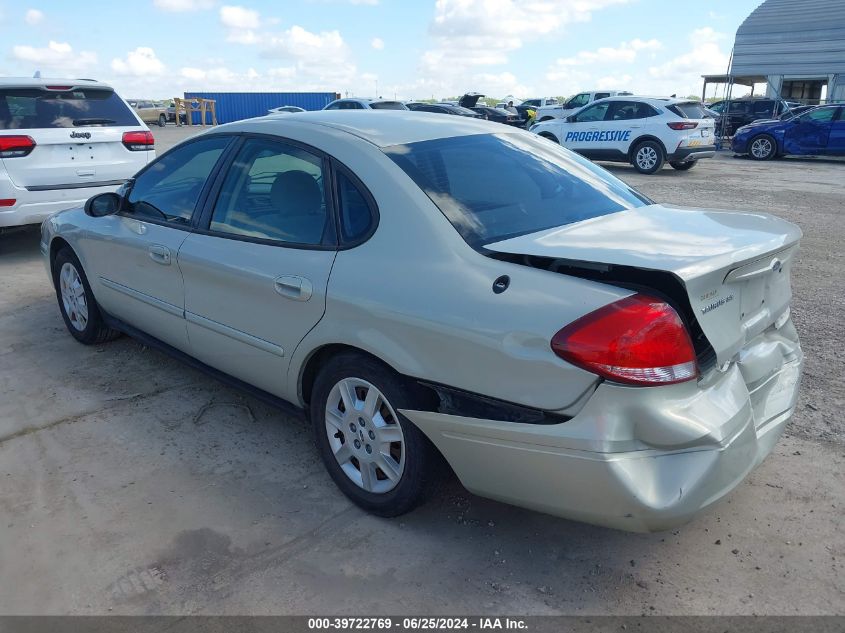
(689, 110)
(388, 105)
(496, 186)
(31, 108)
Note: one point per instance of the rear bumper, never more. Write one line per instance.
(636, 459)
(33, 207)
(687, 154)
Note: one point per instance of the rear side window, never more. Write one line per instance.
(33, 108)
(356, 216)
(273, 191)
(688, 110)
(629, 110)
(537, 185)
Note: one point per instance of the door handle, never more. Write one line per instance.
(160, 254)
(293, 287)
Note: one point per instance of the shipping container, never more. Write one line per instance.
(234, 106)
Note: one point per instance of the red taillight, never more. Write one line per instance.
(7, 202)
(15, 146)
(138, 141)
(638, 340)
(683, 125)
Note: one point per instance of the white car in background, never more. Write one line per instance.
(61, 142)
(288, 109)
(562, 110)
(644, 131)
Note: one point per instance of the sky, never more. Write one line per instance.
(408, 49)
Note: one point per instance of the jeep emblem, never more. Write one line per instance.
(80, 134)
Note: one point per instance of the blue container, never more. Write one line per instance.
(234, 106)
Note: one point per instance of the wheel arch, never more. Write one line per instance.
(57, 244)
(549, 136)
(646, 137)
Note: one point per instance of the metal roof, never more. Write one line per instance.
(786, 37)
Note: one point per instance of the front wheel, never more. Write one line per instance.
(76, 301)
(683, 166)
(549, 136)
(762, 147)
(377, 457)
(648, 157)
(162, 120)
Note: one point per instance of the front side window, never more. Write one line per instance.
(273, 191)
(595, 112)
(820, 115)
(766, 108)
(33, 108)
(538, 185)
(578, 100)
(168, 190)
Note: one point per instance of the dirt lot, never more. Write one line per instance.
(131, 484)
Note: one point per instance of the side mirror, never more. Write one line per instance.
(570, 118)
(103, 204)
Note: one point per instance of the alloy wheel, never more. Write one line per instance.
(74, 301)
(761, 148)
(646, 158)
(365, 435)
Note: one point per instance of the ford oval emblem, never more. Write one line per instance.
(776, 265)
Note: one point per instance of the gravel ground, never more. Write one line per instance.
(131, 484)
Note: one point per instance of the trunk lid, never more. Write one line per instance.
(735, 267)
(470, 100)
(78, 134)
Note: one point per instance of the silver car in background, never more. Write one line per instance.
(563, 342)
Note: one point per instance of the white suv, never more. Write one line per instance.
(643, 131)
(61, 142)
(562, 110)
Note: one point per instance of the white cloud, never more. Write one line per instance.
(142, 62)
(377, 43)
(180, 6)
(33, 17)
(242, 24)
(324, 58)
(682, 74)
(56, 56)
(625, 53)
(236, 17)
(469, 34)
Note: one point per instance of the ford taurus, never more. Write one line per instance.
(443, 287)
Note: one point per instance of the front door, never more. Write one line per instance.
(582, 133)
(139, 280)
(808, 133)
(256, 271)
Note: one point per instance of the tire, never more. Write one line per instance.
(551, 137)
(162, 120)
(648, 157)
(76, 301)
(413, 460)
(683, 166)
(762, 147)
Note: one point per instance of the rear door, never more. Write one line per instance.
(78, 134)
(134, 253)
(257, 268)
(836, 142)
(809, 133)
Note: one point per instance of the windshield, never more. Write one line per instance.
(32, 108)
(496, 186)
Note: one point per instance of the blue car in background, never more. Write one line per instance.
(820, 131)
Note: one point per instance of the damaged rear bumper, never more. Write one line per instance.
(637, 459)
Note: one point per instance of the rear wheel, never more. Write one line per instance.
(762, 147)
(162, 120)
(647, 157)
(76, 301)
(682, 166)
(376, 456)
